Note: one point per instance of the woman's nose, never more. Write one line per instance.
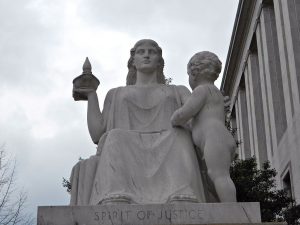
(146, 55)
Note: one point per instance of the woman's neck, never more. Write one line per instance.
(146, 78)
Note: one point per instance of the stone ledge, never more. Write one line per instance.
(150, 214)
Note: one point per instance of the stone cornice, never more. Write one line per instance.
(238, 38)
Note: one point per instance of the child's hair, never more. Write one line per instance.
(210, 58)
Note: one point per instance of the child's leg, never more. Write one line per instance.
(217, 155)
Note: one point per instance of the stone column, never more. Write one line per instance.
(259, 135)
(289, 18)
(244, 124)
(264, 95)
(249, 102)
(269, 52)
(284, 39)
(239, 128)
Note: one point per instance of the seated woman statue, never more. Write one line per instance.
(140, 157)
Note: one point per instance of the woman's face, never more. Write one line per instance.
(146, 58)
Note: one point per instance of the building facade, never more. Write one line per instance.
(262, 78)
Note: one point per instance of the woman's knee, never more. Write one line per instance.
(114, 133)
(217, 174)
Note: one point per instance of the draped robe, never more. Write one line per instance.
(140, 157)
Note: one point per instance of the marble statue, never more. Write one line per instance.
(141, 158)
(205, 107)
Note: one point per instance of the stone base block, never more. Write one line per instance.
(151, 214)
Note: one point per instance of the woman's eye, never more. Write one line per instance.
(152, 51)
(140, 51)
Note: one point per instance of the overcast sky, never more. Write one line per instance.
(43, 44)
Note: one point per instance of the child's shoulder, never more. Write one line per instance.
(208, 90)
(203, 88)
(207, 87)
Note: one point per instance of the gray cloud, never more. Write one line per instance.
(180, 27)
(25, 44)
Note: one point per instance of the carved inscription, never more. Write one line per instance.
(124, 216)
(166, 214)
(111, 215)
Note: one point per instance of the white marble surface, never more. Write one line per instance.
(141, 158)
(185, 213)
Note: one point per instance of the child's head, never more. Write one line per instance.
(204, 65)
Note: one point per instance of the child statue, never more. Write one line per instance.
(205, 107)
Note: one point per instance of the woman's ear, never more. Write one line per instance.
(194, 77)
(133, 63)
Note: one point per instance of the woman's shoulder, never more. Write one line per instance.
(121, 90)
(181, 90)
(113, 90)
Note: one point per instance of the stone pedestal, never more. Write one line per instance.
(151, 214)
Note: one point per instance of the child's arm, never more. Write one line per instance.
(190, 108)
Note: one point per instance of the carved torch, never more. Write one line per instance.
(85, 81)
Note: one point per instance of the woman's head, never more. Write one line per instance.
(132, 72)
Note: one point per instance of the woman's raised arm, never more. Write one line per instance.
(95, 119)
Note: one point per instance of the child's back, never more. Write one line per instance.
(209, 121)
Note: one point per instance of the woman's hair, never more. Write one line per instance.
(131, 76)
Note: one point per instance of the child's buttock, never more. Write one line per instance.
(208, 129)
